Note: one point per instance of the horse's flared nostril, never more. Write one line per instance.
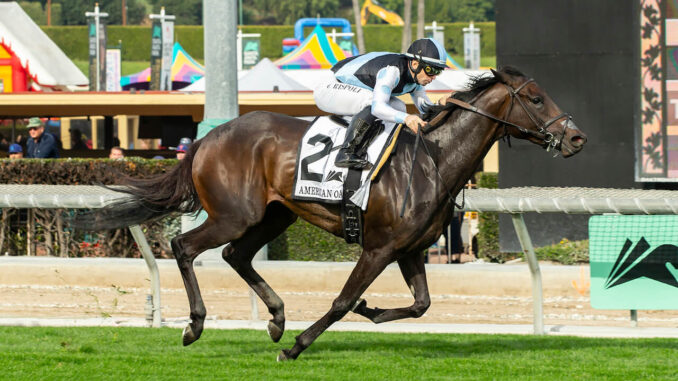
(578, 140)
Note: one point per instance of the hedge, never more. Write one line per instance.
(488, 224)
(136, 40)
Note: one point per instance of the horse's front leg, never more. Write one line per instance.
(369, 266)
(413, 269)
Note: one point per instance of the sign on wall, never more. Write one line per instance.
(658, 143)
(634, 262)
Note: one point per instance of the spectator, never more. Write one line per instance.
(116, 153)
(158, 157)
(15, 151)
(76, 140)
(40, 145)
(181, 151)
(186, 141)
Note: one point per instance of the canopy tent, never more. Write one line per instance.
(315, 52)
(451, 63)
(29, 59)
(263, 77)
(185, 70)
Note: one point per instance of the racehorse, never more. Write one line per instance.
(242, 173)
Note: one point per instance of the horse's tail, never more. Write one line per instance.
(149, 198)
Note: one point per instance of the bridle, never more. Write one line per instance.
(548, 138)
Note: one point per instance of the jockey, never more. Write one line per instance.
(366, 86)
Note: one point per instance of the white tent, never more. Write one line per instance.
(263, 77)
(45, 62)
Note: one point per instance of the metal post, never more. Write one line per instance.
(634, 318)
(528, 250)
(221, 85)
(152, 269)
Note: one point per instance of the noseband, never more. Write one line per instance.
(550, 140)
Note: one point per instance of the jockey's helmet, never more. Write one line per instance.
(428, 51)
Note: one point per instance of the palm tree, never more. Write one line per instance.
(407, 28)
(420, 19)
(358, 27)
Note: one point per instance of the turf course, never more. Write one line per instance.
(147, 354)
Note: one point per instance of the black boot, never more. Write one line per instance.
(356, 133)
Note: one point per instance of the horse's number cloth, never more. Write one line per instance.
(317, 178)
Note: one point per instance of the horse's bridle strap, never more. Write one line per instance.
(470, 107)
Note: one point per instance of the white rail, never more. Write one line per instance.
(81, 197)
(517, 201)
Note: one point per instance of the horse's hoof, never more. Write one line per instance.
(284, 356)
(274, 331)
(188, 336)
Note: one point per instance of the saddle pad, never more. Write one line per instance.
(316, 178)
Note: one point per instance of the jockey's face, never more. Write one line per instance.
(422, 78)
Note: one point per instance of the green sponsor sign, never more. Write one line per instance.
(634, 262)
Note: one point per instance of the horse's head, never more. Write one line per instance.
(534, 116)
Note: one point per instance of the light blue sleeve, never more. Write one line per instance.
(387, 80)
(420, 99)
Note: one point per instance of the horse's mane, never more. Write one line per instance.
(477, 84)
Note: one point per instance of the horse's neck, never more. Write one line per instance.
(465, 139)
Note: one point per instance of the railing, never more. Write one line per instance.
(81, 197)
(517, 201)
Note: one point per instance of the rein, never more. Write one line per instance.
(542, 133)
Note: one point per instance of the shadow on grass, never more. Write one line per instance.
(437, 345)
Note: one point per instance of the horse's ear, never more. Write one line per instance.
(499, 76)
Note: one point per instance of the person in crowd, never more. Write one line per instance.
(76, 140)
(181, 151)
(158, 157)
(15, 151)
(40, 145)
(366, 87)
(116, 153)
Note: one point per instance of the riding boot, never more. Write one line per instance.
(356, 133)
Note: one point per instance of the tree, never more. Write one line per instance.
(73, 11)
(420, 18)
(136, 11)
(187, 12)
(359, 27)
(407, 28)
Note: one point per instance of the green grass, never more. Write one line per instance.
(146, 354)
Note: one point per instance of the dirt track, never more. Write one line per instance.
(470, 293)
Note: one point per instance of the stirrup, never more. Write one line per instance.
(351, 160)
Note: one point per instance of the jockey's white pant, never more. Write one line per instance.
(339, 98)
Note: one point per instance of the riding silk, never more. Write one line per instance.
(373, 79)
(316, 178)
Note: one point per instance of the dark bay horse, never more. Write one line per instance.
(242, 175)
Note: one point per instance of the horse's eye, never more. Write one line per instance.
(537, 100)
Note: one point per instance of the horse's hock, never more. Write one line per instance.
(471, 293)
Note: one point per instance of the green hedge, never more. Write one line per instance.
(136, 40)
(305, 242)
(78, 171)
(488, 224)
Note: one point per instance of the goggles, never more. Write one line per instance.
(432, 71)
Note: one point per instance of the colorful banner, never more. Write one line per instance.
(166, 68)
(156, 55)
(113, 62)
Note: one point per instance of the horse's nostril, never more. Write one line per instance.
(578, 140)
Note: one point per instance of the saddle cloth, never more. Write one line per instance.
(316, 178)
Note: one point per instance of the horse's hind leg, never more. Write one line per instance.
(186, 248)
(413, 270)
(369, 266)
(240, 252)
